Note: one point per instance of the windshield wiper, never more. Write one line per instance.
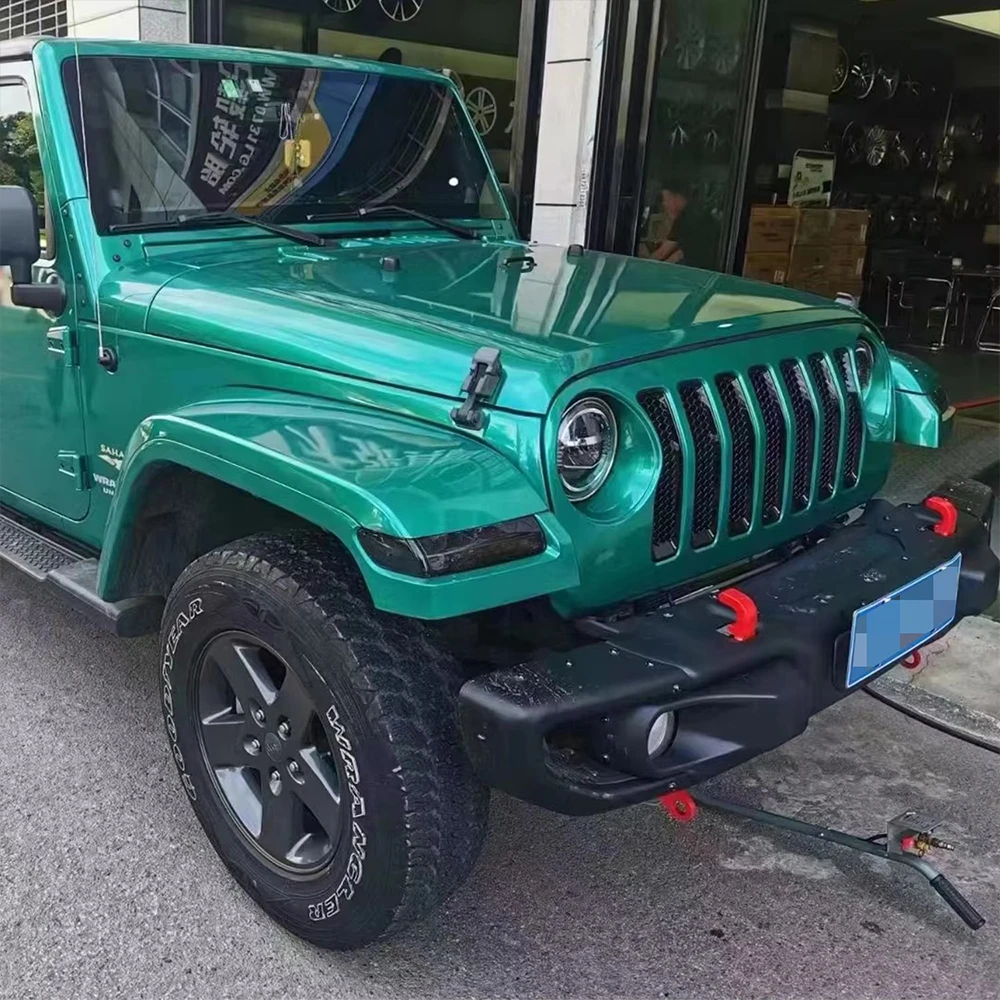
(464, 232)
(211, 218)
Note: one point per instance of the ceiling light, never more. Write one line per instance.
(985, 22)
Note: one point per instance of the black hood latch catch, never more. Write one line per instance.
(483, 380)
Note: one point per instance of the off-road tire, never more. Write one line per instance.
(421, 819)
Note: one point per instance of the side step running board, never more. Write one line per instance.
(74, 577)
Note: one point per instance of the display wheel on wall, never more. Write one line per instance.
(887, 82)
(945, 156)
(342, 6)
(912, 88)
(876, 145)
(852, 143)
(863, 76)
(401, 10)
(933, 223)
(976, 128)
(970, 129)
(923, 152)
(841, 70)
(725, 54)
(891, 218)
(482, 107)
(900, 151)
(691, 42)
(677, 130)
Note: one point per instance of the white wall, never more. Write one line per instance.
(152, 20)
(574, 52)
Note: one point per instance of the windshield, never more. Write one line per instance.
(167, 138)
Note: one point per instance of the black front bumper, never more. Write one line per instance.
(733, 700)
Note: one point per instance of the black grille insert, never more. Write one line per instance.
(707, 462)
(805, 431)
(774, 440)
(815, 398)
(855, 428)
(829, 403)
(744, 453)
(667, 502)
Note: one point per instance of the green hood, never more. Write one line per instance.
(553, 316)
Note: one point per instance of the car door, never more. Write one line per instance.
(41, 413)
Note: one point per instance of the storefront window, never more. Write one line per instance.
(265, 28)
(477, 42)
(693, 147)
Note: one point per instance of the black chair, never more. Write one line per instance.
(892, 265)
(930, 285)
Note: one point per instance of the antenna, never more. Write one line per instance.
(106, 356)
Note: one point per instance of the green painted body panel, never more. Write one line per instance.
(923, 417)
(324, 385)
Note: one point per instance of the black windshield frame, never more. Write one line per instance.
(295, 140)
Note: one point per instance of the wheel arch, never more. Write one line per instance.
(199, 478)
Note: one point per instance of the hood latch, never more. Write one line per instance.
(483, 379)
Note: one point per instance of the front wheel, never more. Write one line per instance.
(316, 739)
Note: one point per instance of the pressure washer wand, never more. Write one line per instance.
(682, 806)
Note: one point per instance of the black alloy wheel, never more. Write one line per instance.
(316, 739)
(269, 754)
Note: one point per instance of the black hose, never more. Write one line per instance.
(941, 727)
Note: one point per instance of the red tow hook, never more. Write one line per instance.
(680, 806)
(912, 661)
(745, 626)
(948, 513)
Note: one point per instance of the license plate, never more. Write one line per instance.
(902, 621)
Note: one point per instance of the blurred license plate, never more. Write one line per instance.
(902, 621)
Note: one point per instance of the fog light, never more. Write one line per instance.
(633, 741)
(661, 732)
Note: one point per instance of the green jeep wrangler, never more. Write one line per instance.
(420, 508)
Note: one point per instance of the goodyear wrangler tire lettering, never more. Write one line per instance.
(355, 862)
(181, 622)
(378, 698)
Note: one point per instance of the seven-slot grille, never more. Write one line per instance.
(812, 401)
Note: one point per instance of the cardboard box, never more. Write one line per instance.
(772, 228)
(807, 260)
(848, 259)
(850, 225)
(815, 226)
(769, 267)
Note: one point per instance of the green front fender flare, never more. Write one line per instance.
(923, 416)
(342, 468)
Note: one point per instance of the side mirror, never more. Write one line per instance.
(19, 246)
(20, 249)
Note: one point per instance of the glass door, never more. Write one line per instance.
(685, 92)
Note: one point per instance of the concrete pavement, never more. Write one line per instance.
(108, 887)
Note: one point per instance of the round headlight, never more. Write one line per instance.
(864, 359)
(588, 440)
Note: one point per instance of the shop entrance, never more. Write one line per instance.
(679, 81)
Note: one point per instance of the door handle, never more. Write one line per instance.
(60, 340)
